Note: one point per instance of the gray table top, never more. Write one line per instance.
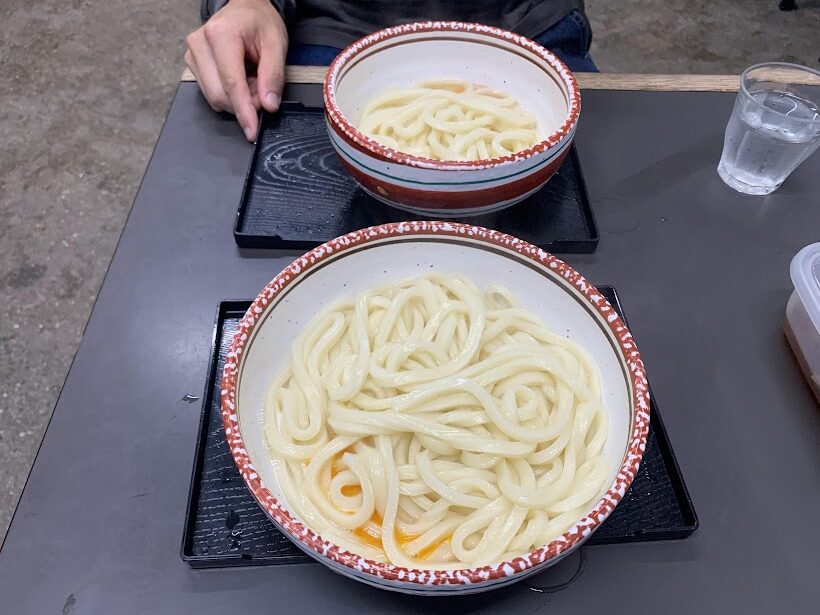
(703, 275)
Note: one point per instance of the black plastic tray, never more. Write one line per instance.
(297, 195)
(224, 526)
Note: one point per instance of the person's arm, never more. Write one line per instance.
(244, 31)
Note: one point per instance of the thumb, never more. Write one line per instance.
(270, 75)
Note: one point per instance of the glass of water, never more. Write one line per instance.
(775, 126)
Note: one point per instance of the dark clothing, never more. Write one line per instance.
(569, 39)
(319, 28)
(337, 23)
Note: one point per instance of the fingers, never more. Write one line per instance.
(190, 62)
(254, 92)
(201, 62)
(228, 51)
(270, 74)
(252, 32)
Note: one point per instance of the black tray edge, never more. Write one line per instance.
(242, 559)
(249, 240)
(201, 437)
(687, 507)
(224, 308)
(197, 561)
(590, 244)
(586, 245)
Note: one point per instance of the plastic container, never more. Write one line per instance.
(802, 325)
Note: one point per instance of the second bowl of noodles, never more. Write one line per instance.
(449, 118)
(434, 408)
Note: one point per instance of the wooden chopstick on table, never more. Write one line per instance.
(587, 81)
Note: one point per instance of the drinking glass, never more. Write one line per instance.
(775, 125)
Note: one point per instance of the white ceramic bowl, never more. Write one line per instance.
(559, 295)
(404, 55)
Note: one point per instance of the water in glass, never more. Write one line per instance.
(766, 140)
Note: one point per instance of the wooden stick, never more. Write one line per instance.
(587, 81)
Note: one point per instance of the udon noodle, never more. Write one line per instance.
(432, 425)
(449, 120)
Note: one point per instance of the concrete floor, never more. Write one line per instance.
(84, 88)
(701, 36)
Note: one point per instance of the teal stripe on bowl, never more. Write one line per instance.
(534, 167)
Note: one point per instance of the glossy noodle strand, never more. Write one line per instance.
(432, 425)
(449, 120)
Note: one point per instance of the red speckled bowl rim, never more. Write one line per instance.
(337, 118)
(389, 572)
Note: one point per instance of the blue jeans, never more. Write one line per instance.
(569, 39)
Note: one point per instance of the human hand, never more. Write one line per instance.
(243, 33)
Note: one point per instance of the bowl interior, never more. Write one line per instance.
(479, 58)
(540, 290)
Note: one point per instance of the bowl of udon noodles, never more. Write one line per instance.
(434, 408)
(450, 119)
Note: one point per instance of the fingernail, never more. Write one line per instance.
(272, 98)
(249, 133)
